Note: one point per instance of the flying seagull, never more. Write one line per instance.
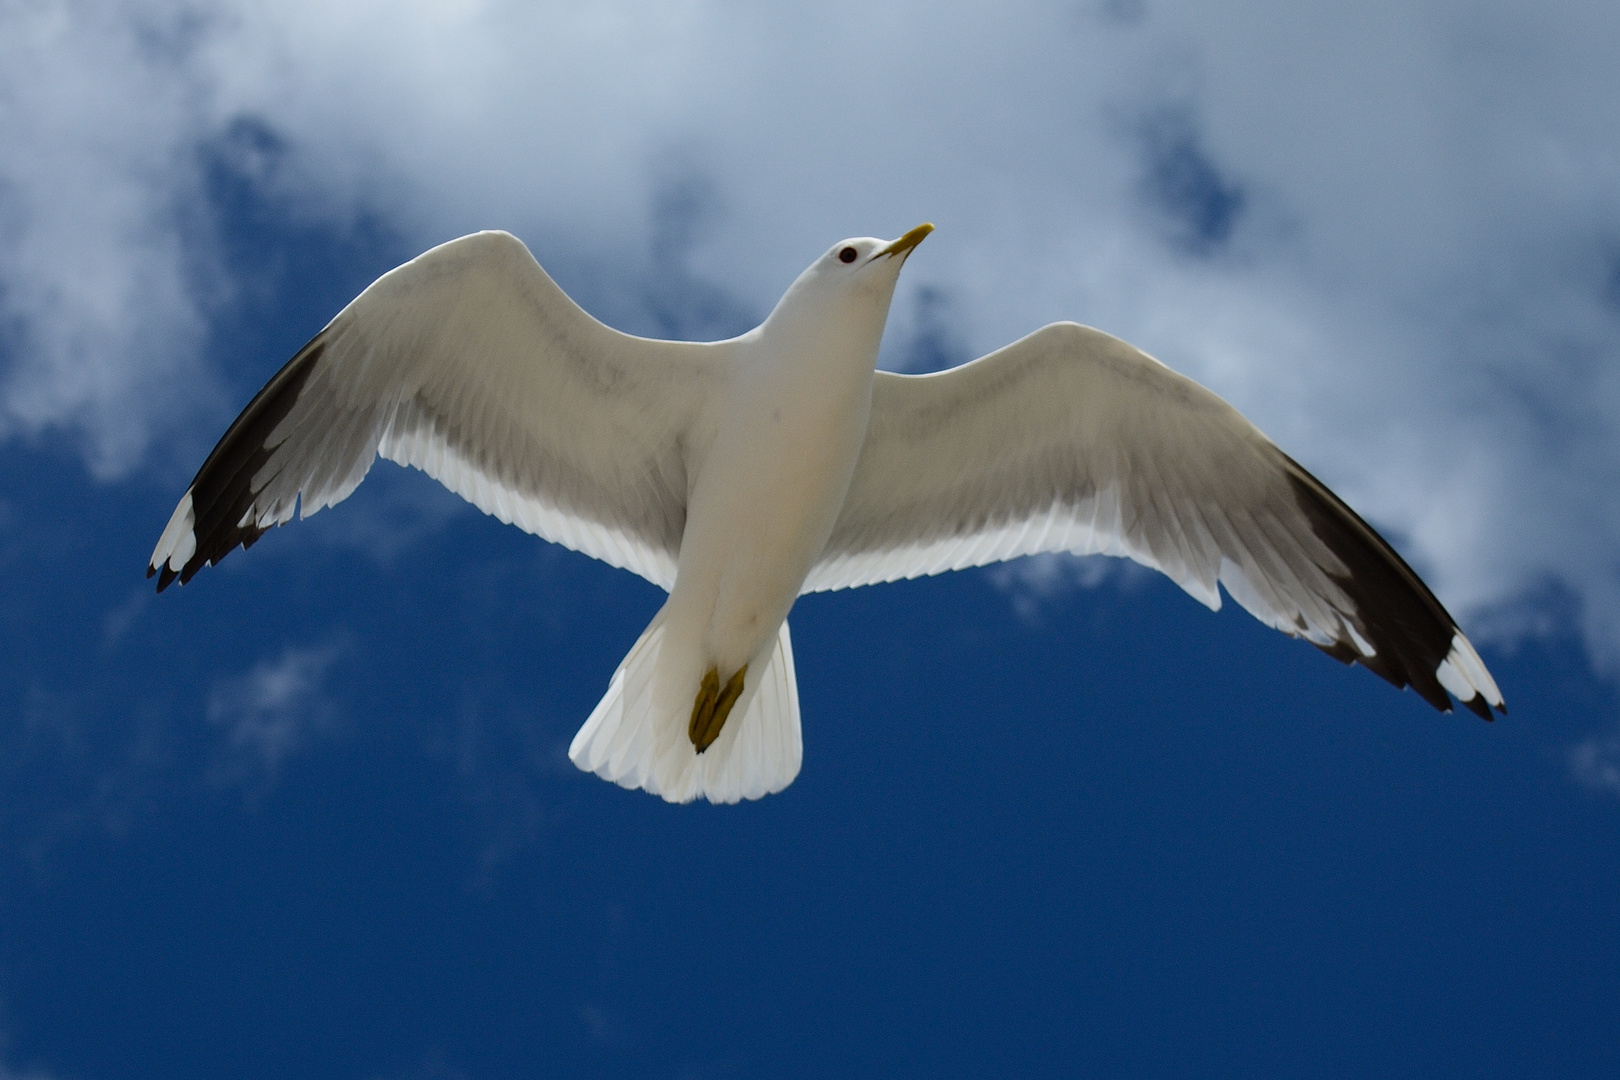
(739, 474)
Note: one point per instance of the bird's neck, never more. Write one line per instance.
(834, 342)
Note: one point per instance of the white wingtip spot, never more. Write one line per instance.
(1463, 673)
(1454, 681)
(179, 540)
(1363, 646)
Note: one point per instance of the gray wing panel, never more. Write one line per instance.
(1071, 440)
(469, 363)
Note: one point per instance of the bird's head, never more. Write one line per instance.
(846, 292)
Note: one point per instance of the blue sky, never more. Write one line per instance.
(312, 814)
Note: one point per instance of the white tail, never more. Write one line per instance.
(636, 742)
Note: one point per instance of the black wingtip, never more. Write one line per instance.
(1480, 708)
(223, 493)
(1409, 629)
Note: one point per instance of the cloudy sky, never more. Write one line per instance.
(311, 815)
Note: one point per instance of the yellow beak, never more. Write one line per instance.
(906, 242)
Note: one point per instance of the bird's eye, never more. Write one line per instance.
(847, 255)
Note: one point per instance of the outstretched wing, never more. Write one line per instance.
(1072, 440)
(469, 363)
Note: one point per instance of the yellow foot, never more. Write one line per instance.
(711, 707)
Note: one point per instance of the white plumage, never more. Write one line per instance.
(739, 474)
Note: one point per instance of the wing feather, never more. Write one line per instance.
(1072, 440)
(469, 363)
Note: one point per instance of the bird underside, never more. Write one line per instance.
(472, 365)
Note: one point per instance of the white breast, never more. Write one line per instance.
(767, 495)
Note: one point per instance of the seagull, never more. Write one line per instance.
(738, 475)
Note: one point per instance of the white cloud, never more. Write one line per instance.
(1034, 582)
(271, 712)
(1390, 233)
(102, 315)
(1596, 763)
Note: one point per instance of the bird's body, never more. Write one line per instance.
(765, 495)
(739, 474)
(764, 498)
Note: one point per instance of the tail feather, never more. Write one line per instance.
(636, 736)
